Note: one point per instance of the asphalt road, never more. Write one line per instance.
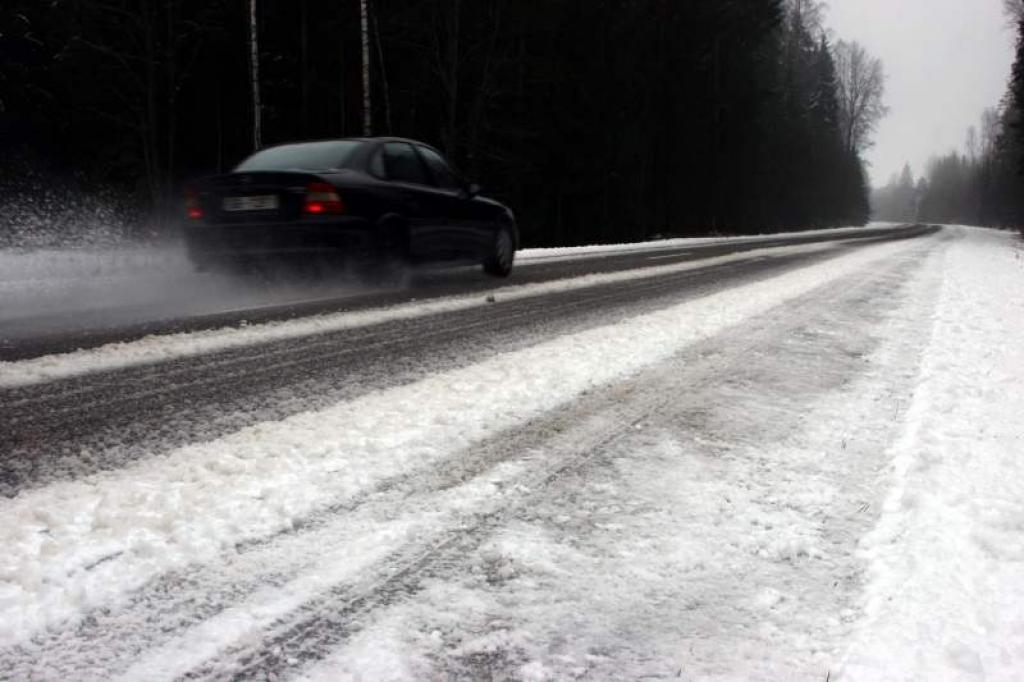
(35, 335)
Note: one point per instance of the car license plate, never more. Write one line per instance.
(267, 202)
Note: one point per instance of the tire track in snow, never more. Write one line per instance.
(306, 633)
(764, 439)
(323, 623)
(163, 608)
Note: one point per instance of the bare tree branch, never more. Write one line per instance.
(1014, 11)
(861, 84)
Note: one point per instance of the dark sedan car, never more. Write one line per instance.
(372, 199)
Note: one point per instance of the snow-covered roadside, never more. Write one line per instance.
(75, 545)
(538, 255)
(946, 594)
(154, 349)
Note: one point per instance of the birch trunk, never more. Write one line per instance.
(364, 14)
(254, 63)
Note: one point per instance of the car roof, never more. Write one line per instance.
(353, 139)
(389, 138)
(360, 160)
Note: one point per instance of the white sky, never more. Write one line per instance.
(945, 62)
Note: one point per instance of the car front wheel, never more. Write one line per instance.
(499, 262)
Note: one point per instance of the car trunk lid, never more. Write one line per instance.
(259, 196)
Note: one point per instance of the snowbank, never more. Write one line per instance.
(945, 599)
(570, 252)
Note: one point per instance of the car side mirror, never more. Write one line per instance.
(473, 190)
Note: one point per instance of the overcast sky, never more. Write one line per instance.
(945, 62)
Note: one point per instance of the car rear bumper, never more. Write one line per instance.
(344, 236)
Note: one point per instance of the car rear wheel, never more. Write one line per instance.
(499, 262)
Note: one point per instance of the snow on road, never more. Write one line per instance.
(814, 475)
(78, 544)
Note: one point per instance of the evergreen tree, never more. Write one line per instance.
(1015, 102)
(597, 120)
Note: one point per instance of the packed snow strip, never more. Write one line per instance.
(342, 549)
(529, 256)
(945, 600)
(250, 619)
(156, 349)
(79, 544)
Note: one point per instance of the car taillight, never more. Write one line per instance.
(192, 207)
(322, 198)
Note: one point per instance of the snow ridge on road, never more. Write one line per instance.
(77, 545)
(559, 253)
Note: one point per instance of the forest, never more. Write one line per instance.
(596, 120)
(983, 184)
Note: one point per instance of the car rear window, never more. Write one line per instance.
(311, 156)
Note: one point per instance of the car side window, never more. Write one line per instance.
(443, 175)
(403, 164)
(377, 165)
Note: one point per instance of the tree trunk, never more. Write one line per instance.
(383, 76)
(454, 68)
(304, 66)
(342, 102)
(151, 141)
(170, 119)
(254, 64)
(364, 16)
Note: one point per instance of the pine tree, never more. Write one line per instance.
(1015, 100)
